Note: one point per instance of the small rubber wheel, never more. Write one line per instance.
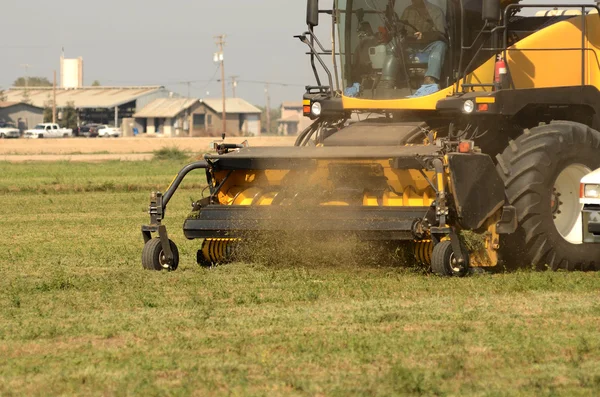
(153, 257)
(444, 263)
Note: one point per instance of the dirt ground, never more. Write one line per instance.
(126, 149)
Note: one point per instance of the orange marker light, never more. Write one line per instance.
(581, 190)
(306, 109)
(483, 107)
(464, 147)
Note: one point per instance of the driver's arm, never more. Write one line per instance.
(439, 28)
(408, 16)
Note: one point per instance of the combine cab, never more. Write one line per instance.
(449, 116)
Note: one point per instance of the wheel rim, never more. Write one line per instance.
(164, 262)
(454, 265)
(565, 205)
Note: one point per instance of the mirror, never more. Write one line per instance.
(312, 13)
(491, 10)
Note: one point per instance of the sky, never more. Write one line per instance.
(151, 42)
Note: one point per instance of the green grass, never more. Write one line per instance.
(78, 315)
(113, 176)
(171, 153)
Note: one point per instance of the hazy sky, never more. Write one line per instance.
(135, 42)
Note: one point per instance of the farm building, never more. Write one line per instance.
(168, 116)
(197, 117)
(242, 117)
(22, 114)
(105, 105)
(292, 120)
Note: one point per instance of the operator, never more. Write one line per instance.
(426, 37)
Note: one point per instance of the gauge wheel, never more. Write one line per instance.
(444, 262)
(153, 257)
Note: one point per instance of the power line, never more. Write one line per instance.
(194, 82)
(208, 82)
(12, 47)
(271, 83)
(139, 82)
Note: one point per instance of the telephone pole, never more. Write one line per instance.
(26, 66)
(220, 40)
(268, 100)
(54, 100)
(234, 84)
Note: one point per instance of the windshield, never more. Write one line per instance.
(391, 48)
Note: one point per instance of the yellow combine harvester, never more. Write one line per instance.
(440, 117)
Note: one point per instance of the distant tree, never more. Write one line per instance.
(69, 116)
(32, 82)
(275, 115)
(48, 114)
(2, 96)
(96, 83)
(48, 109)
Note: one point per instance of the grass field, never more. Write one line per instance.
(78, 315)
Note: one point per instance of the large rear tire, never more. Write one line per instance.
(542, 170)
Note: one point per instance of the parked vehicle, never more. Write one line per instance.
(106, 131)
(89, 130)
(589, 194)
(48, 130)
(9, 130)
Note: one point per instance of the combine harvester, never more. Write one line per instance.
(445, 117)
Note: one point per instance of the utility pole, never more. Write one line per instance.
(26, 66)
(234, 84)
(268, 109)
(219, 58)
(189, 84)
(54, 100)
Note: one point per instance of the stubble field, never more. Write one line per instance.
(78, 315)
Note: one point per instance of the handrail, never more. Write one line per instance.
(315, 55)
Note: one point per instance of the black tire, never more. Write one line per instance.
(152, 255)
(530, 167)
(442, 261)
(2, 136)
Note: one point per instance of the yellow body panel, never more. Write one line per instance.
(559, 63)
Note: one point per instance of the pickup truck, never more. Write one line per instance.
(108, 131)
(8, 130)
(48, 130)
